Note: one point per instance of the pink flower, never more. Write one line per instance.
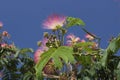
(37, 55)
(72, 39)
(41, 50)
(89, 37)
(53, 21)
(82, 40)
(1, 24)
(44, 41)
(43, 45)
(3, 45)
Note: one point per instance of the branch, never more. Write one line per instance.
(50, 76)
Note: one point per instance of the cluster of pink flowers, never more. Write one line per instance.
(4, 33)
(53, 21)
(72, 40)
(5, 45)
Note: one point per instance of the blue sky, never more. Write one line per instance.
(23, 18)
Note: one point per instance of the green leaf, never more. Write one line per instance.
(86, 47)
(118, 71)
(118, 65)
(114, 45)
(27, 76)
(71, 21)
(86, 78)
(118, 74)
(84, 44)
(65, 53)
(17, 53)
(83, 59)
(104, 58)
(26, 50)
(91, 71)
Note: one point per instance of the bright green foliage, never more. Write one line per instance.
(71, 21)
(104, 58)
(84, 52)
(99, 63)
(85, 47)
(113, 47)
(63, 52)
(109, 61)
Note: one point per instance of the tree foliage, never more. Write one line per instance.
(60, 58)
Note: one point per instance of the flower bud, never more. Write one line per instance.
(45, 34)
(5, 34)
(39, 43)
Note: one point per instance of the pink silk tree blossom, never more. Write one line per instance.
(53, 21)
(37, 55)
(89, 37)
(40, 50)
(72, 39)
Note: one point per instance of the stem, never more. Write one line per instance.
(54, 32)
(62, 41)
(58, 34)
(99, 42)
